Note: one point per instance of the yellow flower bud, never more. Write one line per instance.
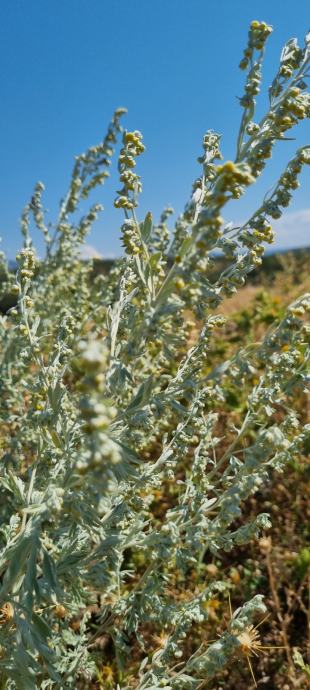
(179, 283)
(229, 166)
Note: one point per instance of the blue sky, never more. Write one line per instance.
(66, 64)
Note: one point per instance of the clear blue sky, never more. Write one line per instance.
(66, 64)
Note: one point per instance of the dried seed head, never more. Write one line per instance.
(249, 640)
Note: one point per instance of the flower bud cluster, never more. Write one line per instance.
(293, 107)
(160, 234)
(252, 86)
(35, 206)
(211, 147)
(288, 182)
(291, 58)
(280, 197)
(27, 264)
(96, 410)
(132, 147)
(194, 210)
(258, 155)
(258, 34)
(301, 308)
(229, 182)
(262, 230)
(232, 178)
(67, 327)
(98, 416)
(131, 239)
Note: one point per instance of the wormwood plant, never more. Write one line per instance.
(118, 483)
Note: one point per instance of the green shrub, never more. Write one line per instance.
(121, 479)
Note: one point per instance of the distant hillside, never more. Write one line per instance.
(273, 263)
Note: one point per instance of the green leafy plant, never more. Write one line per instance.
(120, 478)
(301, 664)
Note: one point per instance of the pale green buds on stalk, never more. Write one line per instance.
(229, 181)
(232, 177)
(258, 34)
(27, 263)
(96, 410)
(130, 237)
(92, 356)
(132, 147)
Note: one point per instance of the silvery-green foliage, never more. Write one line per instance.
(106, 397)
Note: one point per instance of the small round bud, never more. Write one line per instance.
(60, 611)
